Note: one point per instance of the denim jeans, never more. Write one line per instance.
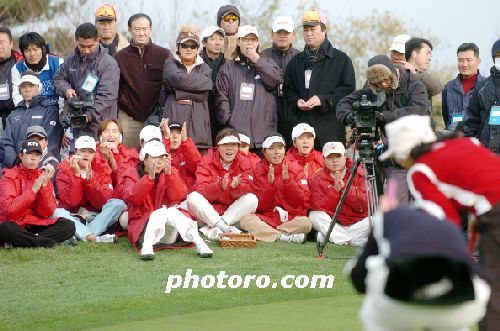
(109, 214)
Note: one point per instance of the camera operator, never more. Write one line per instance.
(92, 75)
(405, 95)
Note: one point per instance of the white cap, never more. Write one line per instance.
(302, 128)
(283, 23)
(229, 140)
(244, 138)
(333, 147)
(245, 30)
(398, 43)
(150, 132)
(85, 142)
(406, 133)
(271, 140)
(207, 32)
(153, 148)
(30, 79)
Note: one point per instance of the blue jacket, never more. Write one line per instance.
(477, 115)
(42, 112)
(46, 76)
(455, 100)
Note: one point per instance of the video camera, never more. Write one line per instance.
(77, 108)
(368, 121)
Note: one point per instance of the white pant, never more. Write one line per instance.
(340, 234)
(165, 224)
(199, 206)
(382, 313)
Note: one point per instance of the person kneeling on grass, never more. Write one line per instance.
(27, 201)
(185, 155)
(245, 150)
(326, 187)
(303, 151)
(283, 195)
(151, 191)
(85, 189)
(223, 185)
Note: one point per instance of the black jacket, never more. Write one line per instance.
(332, 79)
(477, 115)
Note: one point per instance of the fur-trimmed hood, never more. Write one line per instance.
(379, 72)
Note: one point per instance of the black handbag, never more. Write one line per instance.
(155, 113)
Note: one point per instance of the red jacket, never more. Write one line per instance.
(186, 160)
(18, 202)
(254, 159)
(209, 177)
(325, 198)
(76, 192)
(456, 174)
(124, 158)
(314, 159)
(292, 195)
(143, 196)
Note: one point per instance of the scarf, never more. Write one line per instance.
(37, 67)
(313, 56)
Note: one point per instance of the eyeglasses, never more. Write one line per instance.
(228, 18)
(192, 46)
(137, 30)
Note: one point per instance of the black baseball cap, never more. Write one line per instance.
(174, 125)
(30, 146)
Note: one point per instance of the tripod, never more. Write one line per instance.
(366, 157)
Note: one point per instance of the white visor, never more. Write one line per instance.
(271, 140)
(229, 140)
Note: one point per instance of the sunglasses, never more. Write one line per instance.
(192, 46)
(228, 18)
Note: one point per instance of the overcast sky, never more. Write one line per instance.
(453, 21)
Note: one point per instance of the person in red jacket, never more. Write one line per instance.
(185, 155)
(223, 185)
(448, 175)
(303, 151)
(113, 152)
(283, 194)
(326, 187)
(86, 190)
(28, 201)
(245, 150)
(152, 191)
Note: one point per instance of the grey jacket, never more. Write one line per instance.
(72, 74)
(256, 117)
(187, 98)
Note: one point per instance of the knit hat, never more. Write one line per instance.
(380, 67)
(495, 49)
(226, 10)
(188, 32)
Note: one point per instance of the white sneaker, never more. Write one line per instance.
(226, 228)
(203, 250)
(298, 238)
(147, 253)
(213, 234)
(106, 239)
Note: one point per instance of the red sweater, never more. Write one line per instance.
(324, 197)
(456, 174)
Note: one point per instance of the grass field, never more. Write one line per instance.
(107, 287)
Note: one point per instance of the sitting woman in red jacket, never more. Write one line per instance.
(283, 196)
(27, 202)
(151, 191)
(185, 155)
(245, 150)
(303, 151)
(223, 185)
(86, 190)
(352, 225)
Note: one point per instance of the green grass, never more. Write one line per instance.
(108, 287)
